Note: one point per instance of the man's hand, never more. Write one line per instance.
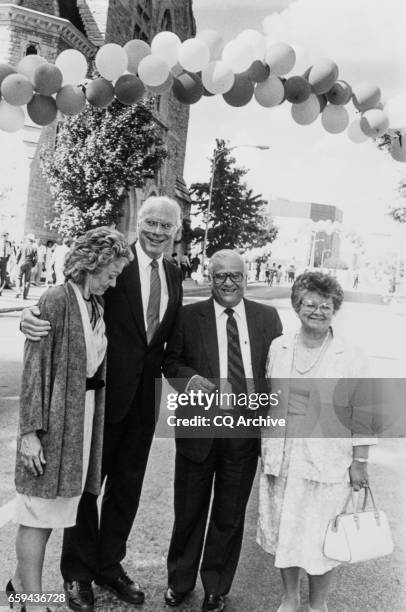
(32, 327)
(32, 454)
(200, 383)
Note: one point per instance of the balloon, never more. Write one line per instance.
(355, 134)
(335, 119)
(70, 100)
(340, 93)
(256, 41)
(153, 71)
(194, 55)
(306, 112)
(240, 93)
(270, 93)
(28, 64)
(395, 108)
(374, 122)
(322, 101)
(11, 117)
(257, 72)
(187, 88)
(217, 78)
(5, 70)
(207, 93)
(165, 46)
(213, 40)
(398, 148)
(129, 89)
(47, 79)
(136, 50)
(100, 92)
(42, 110)
(111, 61)
(323, 75)
(297, 89)
(365, 96)
(16, 89)
(280, 57)
(238, 55)
(160, 89)
(73, 66)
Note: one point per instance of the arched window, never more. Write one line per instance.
(167, 21)
(31, 50)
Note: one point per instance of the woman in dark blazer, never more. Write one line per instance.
(60, 435)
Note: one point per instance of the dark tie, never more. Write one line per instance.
(154, 301)
(235, 370)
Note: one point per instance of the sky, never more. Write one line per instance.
(305, 163)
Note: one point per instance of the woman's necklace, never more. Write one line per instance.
(94, 312)
(315, 360)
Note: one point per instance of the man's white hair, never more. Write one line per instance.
(219, 255)
(154, 201)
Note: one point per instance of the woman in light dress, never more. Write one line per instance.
(61, 421)
(307, 471)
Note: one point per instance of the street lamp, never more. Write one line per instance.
(216, 157)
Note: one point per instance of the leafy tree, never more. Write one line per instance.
(99, 155)
(236, 215)
(398, 213)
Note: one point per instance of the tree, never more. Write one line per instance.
(398, 213)
(236, 216)
(99, 155)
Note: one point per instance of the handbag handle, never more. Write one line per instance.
(367, 489)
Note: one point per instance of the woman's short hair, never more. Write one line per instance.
(93, 251)
(316, 282)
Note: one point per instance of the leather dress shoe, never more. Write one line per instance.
(173, 599)
(213, 603)
(79, 595)
(123, 588)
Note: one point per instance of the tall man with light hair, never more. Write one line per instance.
(139, 314)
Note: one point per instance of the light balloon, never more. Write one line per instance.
(73, 65)
(70, 100)
(187, 88)
(47, 79)
(256, 41)
(374, 122)
(238, 55)
(395, 108)
(28, 64)
(280, 58)
(160, 89)
(136, 50)
(42, 110)
(355, 134)
(340, 93)
(5, 70)
(365, 96)
(213, 40)
(194, 55)
(166, 45)
(153, 70)
(297, 89)
(129, 89)
(111, 61)
(323, 75)
(11, 117)
(306, 112)
(100, 92)
(257, 72)
(270, 93)
(240, 93)
(335, 119)
(217, 78)
(17, 89)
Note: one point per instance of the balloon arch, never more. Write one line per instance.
(249, 66)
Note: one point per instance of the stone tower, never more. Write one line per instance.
(47, 27)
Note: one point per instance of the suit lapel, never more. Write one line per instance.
(254, 324)
(208, 329)
(132, 284)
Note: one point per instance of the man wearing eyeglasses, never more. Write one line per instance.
(225, 339)
(139, 314)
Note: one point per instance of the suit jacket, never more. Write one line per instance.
(134, 366)
(193, 349)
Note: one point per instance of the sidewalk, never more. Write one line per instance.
(10, 303)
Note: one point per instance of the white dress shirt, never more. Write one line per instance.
(221, 323)
(144, 265)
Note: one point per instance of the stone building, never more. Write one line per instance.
(47, 27)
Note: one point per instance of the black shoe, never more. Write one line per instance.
(214, 603)
(123, 588)
(173, 599)
(79, 595)
(10, 590)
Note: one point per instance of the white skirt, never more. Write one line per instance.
(60, 512)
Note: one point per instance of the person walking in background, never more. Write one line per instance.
(279, 274)
(58, 259)
(5, 253)
(26, 259)
(195, 263)
(40, 268)
(60, 436)
(49, 264)
(185, 266)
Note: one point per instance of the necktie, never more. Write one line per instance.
(154, 301)
(235, 370)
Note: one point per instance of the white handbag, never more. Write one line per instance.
(358, 535)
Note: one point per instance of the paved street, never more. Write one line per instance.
(376, 586)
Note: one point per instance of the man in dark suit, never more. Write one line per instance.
(139, 314)
(225, 338)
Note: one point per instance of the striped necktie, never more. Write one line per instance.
(154, 301)
(235, 369)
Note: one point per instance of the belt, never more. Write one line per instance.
(92, 384)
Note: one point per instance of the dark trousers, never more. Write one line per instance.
(3, 272)
(24, 278)
(231, 464)
(90, 550)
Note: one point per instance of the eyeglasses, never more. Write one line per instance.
(153, 225)
(311, 306)
(219, 278)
